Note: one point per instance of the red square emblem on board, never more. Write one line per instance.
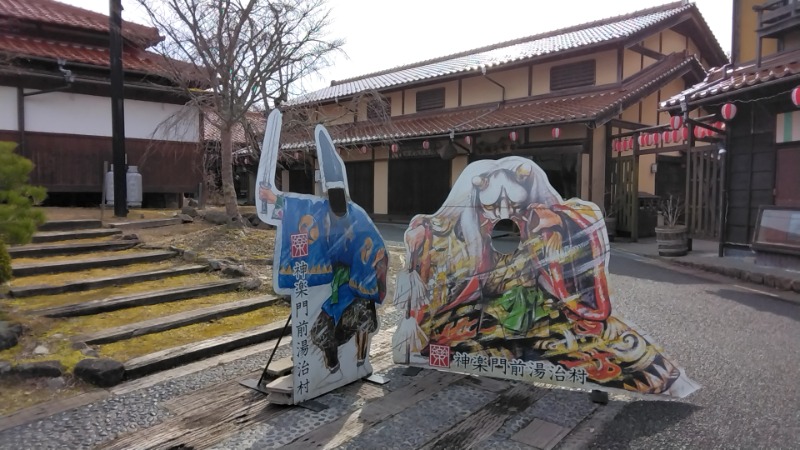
(439, 356)
(299, 245)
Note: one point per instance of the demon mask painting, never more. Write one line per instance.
(540, 312)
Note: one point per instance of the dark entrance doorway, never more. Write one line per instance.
(561, 165)
(417, 186)
(361, 183)
(670, 176)
(301, 180)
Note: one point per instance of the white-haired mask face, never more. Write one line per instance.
(502, 194)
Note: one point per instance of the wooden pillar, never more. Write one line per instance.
(635, 193)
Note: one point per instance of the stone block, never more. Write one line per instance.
(9, 334)
(39, 369)
(100, 371)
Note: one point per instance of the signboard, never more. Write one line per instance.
(331, 259)
(541, 311)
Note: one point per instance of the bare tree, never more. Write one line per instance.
(234, 56)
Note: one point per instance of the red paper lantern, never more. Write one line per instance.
(728, 111)
(556, 132)
(796, 96)
(615, 144)
(655, 137)
(363, 149)
(675, 122)
(395, 148)
(685, 133)
(513, 136)
(641, 140)
(699, 132)
(426, 144)
(629, 143)
(468, 140)
(667, 137)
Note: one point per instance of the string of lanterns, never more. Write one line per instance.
(680, 132)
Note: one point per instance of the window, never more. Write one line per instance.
(572, 75)
(430, 99)
(379, 109)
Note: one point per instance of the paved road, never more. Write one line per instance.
(742, 346)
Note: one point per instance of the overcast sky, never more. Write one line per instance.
(383, 34)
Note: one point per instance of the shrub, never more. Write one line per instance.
(18, 217)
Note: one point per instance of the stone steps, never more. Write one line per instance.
(56, 236)
(70, 225)
(21, 270)
(176, 320)
(176, 356)
(147, 298)
(95, 283)
(148, 223)
(40, 251)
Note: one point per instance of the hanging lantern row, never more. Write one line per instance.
(667, 137)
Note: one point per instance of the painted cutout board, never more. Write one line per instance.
(332, 261)
(539, 311)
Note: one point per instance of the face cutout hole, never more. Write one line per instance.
(338, 201)
(505, 237)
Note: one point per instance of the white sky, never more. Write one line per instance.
(382, 34)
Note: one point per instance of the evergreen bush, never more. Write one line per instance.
(18, 216)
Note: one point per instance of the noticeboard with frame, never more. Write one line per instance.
(778, 230)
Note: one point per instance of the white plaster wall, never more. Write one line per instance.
(59, 112)
(8, 108)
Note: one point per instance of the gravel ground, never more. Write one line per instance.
(742, 347)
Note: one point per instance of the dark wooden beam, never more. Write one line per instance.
(642, 50)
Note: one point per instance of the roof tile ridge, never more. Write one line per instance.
(508, 43)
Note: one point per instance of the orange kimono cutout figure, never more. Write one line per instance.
(540, 312)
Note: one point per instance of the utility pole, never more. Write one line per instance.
(117, 109)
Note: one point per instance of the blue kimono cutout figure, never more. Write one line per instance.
(332, 260)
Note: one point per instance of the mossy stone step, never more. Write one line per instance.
(95, 283)
(35, 251)
(184, 354)
(68, 225)
(21, 270)
(55, 236)
(148, 223)
(147, 298)
(176, 320)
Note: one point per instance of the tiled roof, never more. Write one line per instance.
(595, 106)
(581, 36)
(56, 13)
(255, 120)
(132, 59)
(783, 67)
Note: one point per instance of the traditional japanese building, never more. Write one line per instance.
(758, 198)
(56, 101)
(561, 98)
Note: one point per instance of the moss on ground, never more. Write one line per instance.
(81, 257)
(47, 301)
(57, 279)
(143, 345)
(18, 393)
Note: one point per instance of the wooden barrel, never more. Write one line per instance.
(672, 241)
